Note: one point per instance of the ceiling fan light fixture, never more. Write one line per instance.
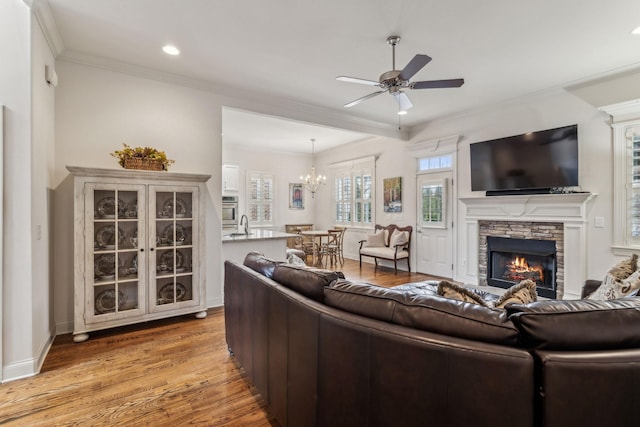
(394, 81)
(170, 49)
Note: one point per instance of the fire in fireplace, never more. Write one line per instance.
(511, 260)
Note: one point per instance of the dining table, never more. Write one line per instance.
(316, 237)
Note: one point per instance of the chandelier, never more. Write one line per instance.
(312, 181)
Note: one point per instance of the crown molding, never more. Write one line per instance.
(42, 11)
(446, 144)
(622, 108)
(244, 100)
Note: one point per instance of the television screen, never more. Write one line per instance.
(536, 160)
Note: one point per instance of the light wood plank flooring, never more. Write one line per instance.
(170, 372)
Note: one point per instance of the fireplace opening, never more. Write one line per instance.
(511, 260)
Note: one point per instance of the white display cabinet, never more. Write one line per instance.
(139, 247)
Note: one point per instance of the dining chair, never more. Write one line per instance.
(305, 244)
(341, 244)
(330, 251)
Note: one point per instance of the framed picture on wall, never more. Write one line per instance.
(392, 188)
(296, 196)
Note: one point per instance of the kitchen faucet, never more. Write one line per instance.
(246, 224)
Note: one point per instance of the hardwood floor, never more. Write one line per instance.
(164, 373)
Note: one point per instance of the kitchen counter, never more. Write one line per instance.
(256, 234)
(273, 244)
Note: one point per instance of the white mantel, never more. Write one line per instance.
(570, 209)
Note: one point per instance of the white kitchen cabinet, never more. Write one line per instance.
(230, 179)
(139, 247)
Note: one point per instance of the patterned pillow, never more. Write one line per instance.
(375, 240)
(522, 293)
(453, 291)
(621, 280)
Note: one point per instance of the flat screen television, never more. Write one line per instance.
(534, 162)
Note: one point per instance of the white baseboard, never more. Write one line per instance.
(17, 370)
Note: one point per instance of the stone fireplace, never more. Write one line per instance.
(560, 220)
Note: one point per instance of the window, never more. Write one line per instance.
(633, 194)
(260, 198)
(354, 193)
(432, 201)
(435, 162)
(626, 175)
(432, 208)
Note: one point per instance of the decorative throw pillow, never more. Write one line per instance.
(375, 240)
(522, 293)
(619, 281)
(398, 238)
(295, 260)
(453, 291)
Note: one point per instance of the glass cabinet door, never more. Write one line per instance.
(175, 234)
(115, 242)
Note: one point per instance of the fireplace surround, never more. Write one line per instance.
(558, 217)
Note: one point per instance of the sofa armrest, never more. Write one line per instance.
(589, 287)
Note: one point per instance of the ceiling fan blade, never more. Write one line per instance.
(364, 98)
(357, 80)
(414, 66)
(403, 101)
(437, 84)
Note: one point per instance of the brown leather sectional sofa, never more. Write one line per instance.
(327, 352)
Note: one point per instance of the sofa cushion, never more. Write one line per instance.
(578, 324)
(426, 312)
(451, 290)
(261, 264)
(430, 287)
(621, 280)
(307, 281)
(375, 240)
(522, 293)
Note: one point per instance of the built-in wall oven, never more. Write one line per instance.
(230, 212)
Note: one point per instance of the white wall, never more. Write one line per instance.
(286, 168)
(97, 111)
(24, 331)
(42, 162)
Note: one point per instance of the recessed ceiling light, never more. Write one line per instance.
(402, 112)
(170, 49)
(636, 31)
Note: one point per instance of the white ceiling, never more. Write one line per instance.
(249, 130)
(294, 49)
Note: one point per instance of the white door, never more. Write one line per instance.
(434, 234)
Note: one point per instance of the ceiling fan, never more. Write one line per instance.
(395, 81)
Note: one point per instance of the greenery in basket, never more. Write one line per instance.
(143, 152)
